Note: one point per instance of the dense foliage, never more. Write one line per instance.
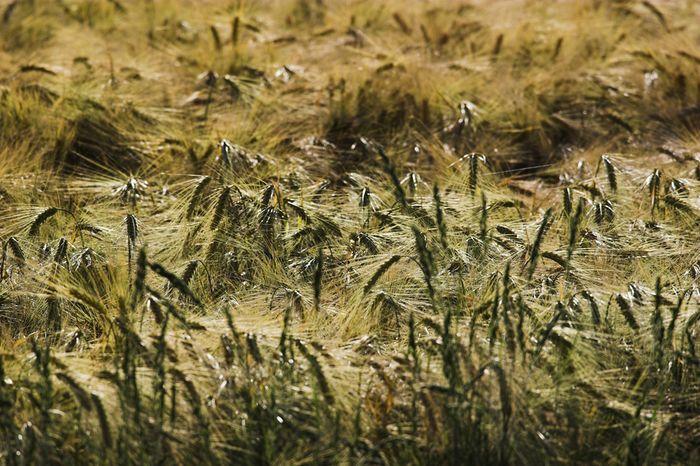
(349, 232)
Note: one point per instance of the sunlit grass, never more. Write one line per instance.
(349, 232)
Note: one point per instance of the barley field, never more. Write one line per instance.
(349, 232)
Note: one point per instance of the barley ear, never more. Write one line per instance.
(102, 418)
(473, 173)
(537, 245)
(16, 249)
(657, 325)
(79, 392)
(568, 203)
(380, 271)
(197, 196)
(317, 372)
(174, 280)
(318, 278)
(40, 219)
(132, 228)
(626, 309)
(221, 207)
(440, 216)
(610, 170)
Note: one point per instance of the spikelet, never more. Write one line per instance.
(380, 271)
(657, 324)
(365, 197)
(317, 371)
(215, 37)
(155, 308)
(554, 257)
(536, 246)
(190, 269)
(440, 216)
(318, 277)
(235, 27)
(61, 250)
(473, 172)
(16, 249)
(140, 279)
(558, 313)
(132, 228)
(102, 418)
(390, 169)
(40, 219)
(221, 207)
(483, 221)
(197, 196)
(79, 392)
(568, 203)
(678, 205)
(595, 312)
(610, 170)
(574, 224)
(425, 259)
(653, 184)
(174, 280)
(626, 309)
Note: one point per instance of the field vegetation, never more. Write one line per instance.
(349, 232)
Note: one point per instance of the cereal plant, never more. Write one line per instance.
(349, 232)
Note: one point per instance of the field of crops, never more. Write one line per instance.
(349, 232)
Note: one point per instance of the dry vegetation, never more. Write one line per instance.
(349, 232)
